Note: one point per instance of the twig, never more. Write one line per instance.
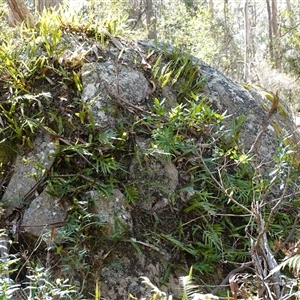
(123, 101)
(280, 200)
(48, 130)
(81, 155)
(262, 246)
(272, 111)
(289, 236)
(222, 188)
(226, 279)
(37, 245)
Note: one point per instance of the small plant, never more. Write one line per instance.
(188, 290)
(42, 285)
(8, 263)
(180, 71)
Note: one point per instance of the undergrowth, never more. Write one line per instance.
(225, 204)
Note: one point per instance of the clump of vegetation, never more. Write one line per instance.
(227, 220)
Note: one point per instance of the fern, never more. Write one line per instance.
(131, 193)
(292, 262)
(190, 291)
(186, 285)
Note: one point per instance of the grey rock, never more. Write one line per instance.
(156, 178)
(119, 281)
(227, 96)
(230, 98)
(107, 209)
(29, 169)
(44, 213)
(101, 79)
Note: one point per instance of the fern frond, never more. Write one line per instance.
(293, 263)
(156, 292)
(187, 287)
(190, 291)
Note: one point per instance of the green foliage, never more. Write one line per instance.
(7, 267)
(293, 263)
(39, 60)
(41, 285)
(131, 193)
(180, 72)
(171, 135)
(223, 184)
(177, 26)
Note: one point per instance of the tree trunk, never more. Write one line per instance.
(211, 8)
(19, 13)
(271, 50)
(274, 19)
(290, 13)
(226, 33)
(151, 20)
(41, 4)
(276, 34)
(247, 40)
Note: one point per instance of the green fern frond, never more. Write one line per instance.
(292, 262)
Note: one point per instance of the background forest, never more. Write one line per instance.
(250, 41)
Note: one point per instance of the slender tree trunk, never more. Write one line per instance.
(211, 8)
(226, 33)
(41, 4)
(19, 13)
(271, 50)
(252, 30)
(247, 40)
(291, 14)
(151, 20)
(276, 35)
(274, 19)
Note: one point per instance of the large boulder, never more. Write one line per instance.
(125, 83)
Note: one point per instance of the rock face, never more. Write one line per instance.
(107, 209)
(227, 96)
(155, 179)
(101, 80)
(44, 212)
(29, 170)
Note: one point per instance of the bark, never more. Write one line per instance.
(211, 8)
(40, 5)
(271, 50)
(274, 19)
(19, 13)
(226, 33)
(276, 34)
(247, 40)
(151, 20)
